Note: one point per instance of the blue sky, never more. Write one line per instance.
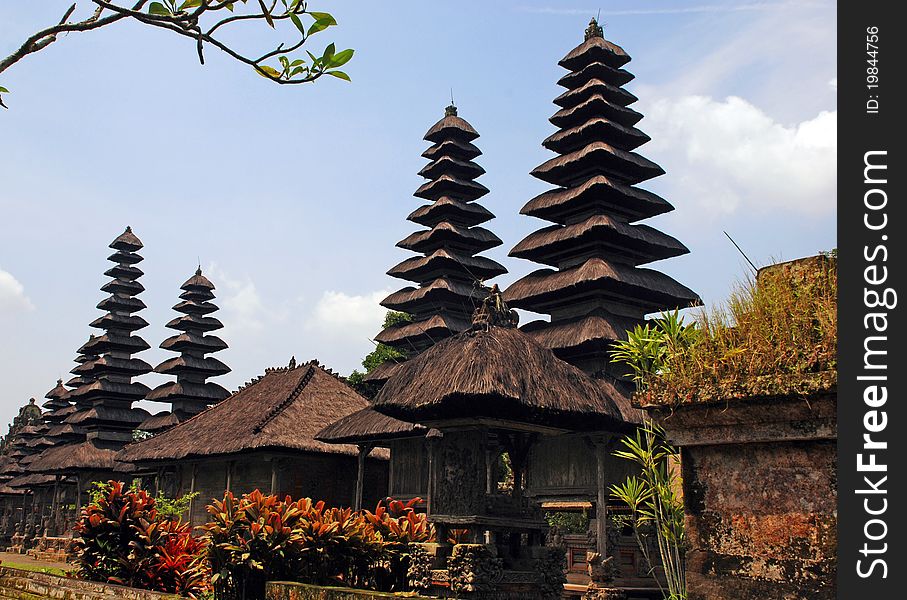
(292, 198)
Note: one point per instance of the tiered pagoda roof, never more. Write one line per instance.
(595, 288)
(104, 418)
(449, 272)
(190, 394)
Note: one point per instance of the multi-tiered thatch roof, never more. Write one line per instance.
(595, 289)
(190, 394)
(104, 418)
(449, 271)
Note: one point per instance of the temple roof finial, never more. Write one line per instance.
(594, 29)
(450, 111)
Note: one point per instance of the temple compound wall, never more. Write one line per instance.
(760, 495)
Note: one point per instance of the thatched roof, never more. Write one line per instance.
(598, 194)
(613, 93)
(595, 70)
(383, 372)
(31, 480)
(368, 425)
(595, 49)
(596, 328)
(433, 328)
(595, 106)
(452, 147)
(647, 289)
(453, 211)
(596, 128)
(448, 235)
(499, 373)
(442, 262)
(635, 244)
(453, 186)
(440, 292)
(66, 458)
(451, 127)
(282, 410)
(597, 158)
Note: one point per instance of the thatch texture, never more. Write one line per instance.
(595, 49)
(595, 71)
(382, 372)
(596, 195)
(595, 106)
(440, 292)
(448, 235)
(67, 458)
(281, 411)
(644, 288)
(597, 158)
(434, 327)
(635, 244)
(441, 262)
(498, 373)
(447, 209)
(451, 127)
(595, 129)
(613, 93)
(368, 425)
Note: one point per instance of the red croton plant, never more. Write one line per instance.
(122, 540)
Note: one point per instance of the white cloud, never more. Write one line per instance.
(730, 156)
(243, 310)
(355, 317)
(833, 83)
(12, 295)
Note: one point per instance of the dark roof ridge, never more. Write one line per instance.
(274, 412)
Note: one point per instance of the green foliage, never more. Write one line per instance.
(649, 348)
(377, 357)
(775, 337)
(257, 538)
(655, 503)
(173, 509)
(122, 540)
(569, 522)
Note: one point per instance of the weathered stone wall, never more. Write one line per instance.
(30, 585)
(760, 495)
(283, 590)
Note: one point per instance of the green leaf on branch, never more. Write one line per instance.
(322, 23)
(156, 8)
(3, 90)
(190, 4)
(340, 59)
(328, 53)
(297, 23)
(339, 75)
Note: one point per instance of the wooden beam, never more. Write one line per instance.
(364, 449)
(274, 474)
(601, 504)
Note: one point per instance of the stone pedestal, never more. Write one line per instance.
(760, 495)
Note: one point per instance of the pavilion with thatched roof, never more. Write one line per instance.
(263, 437)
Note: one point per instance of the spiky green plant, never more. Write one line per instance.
(655, 505)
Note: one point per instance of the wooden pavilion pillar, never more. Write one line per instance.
(192, 490)
(364, 449)
(601, 502)
(275, 475)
